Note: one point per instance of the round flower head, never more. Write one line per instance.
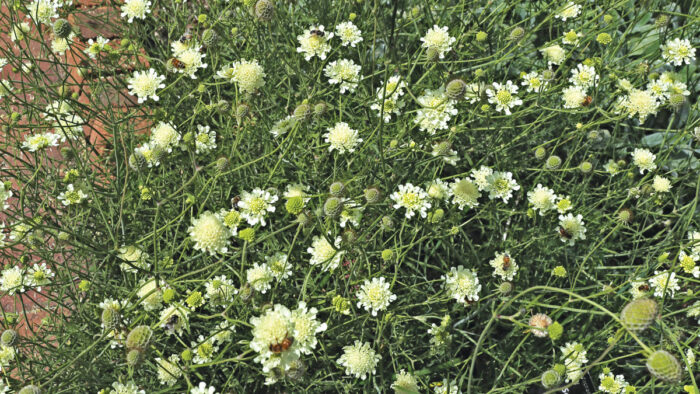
(134, 259)
(533, 81)
(204, 350)
(342, 138)
(571, 37)
(359, 360)
(135, 9)
(501, 185)
(203, 389)
(614, 384)
(314, 42)
(583, 76)
(306, 326)
(150, 152)
(571, 10)
(60, 45)
(279, 265)
(503, 96)
(542, 199)
(438, 190)
(165, 136)
(143, 84)
(209, 233)
(39, 275)
(439, 39)
(40, 141)
(661, 184)
(220, 290)
(574, 356)
(43, 10)
(573, 96)
(678, 51)
(644, 159)
(205, 139)
(271, 331)
(413, 199)
(571, 228)
(481, 177)
(462, 285)
(344, 72)
(12, 280)
(554, 54)
(539, 324)
(405, 383)
(322, 252)
(694, 311)
(504, 266)
(255, 205)
(664, 283)
(348, 33)
(464, 193)
(71, 196)
(174, 318)
(168, 370)
(150, 295)
(192, 57)
(128, 388)
(249, 75)
(436, 110)
(641, 103)
(259, 277)
(375, 295)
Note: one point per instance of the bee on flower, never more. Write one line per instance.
(571, 228)
(574, 97)
(504, 266)
(190, 56)
(314, 42)
(503, 96)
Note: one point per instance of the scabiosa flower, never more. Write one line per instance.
(644, 159)
(204, 350)
(501, 185)
(539, 323)
(255, 205)
(314, 42)
(271, 330)
(462, 284)
(481, 176)
(348, 33)
(134, 258)
(573, 96)
(444, 150)
(249, 75)
(503, 96)
(143, 84)
(504, 266)
(688, 263)
(351, 215)
(279, 265)
(542, 199)
(39, 275)
(390, 97)
(71, 196)
(641, 103)
(342, 138)
(128, 388)
(533, 81)
(18, 31)
(259, 277)
(359, 360)
(405, 383)
(344, 72)
(284, 125)
(306, 326)
(220, 290)
(583, 76)
(678, 51)
(135, 9)
(571, 228)
(571, 37)
(151, 295)
(664, 283)
(192, 57)
(613, 384)
(169, 370)
(413, 198)
(43, 10)
(95, 47)
(554, 54)
(694, 311)
(12, 280)
(5, 194)
(438, 189)
(439, 39)
(205, 140)
(297, 190)
(661, 184)
(574, 357)
(68, 126)
(7, 354)
(174, 318)
(60, 45)
(375, 295)
(209, 234)
(36, 142)
(571, 10)
(203, 389)
(464, 193)
(151, 153)
(165, 136)
(322, 252)
(564, 204)
(436, 110)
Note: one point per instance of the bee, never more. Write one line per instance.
(177, 63)
(235, 200)
(172, 321)
(506, 261)
(186, 36)
(643, 287)
(587, 101)
(564, 234)
(282, 346)
(319, 33)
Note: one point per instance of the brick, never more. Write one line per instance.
(89, 3)
(94, 22)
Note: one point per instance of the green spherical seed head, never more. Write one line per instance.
(320, 109)
(223, 106)
(139, 338)
(336, 189)
(333, 206)
(31, 389)
(436, 216)
(604, 38)
(303, 219)
(137, 161)
(372, 195)
(202, 18)
(186, 355)
(455, 89)
(221, 164)
(349, 236)
(676, 100)
(607, 18)
(194, 299)
(242, 110)
(586, 167)
(264, 10)
(387, 223)
(133, 357)
(303, 111)
(553, 162)
(482, 36)
(295, 205)
(8, 337)
(443, 148)
(247, 234)
(517, 33)
(110, 318)
(169, 295)
(664, 365)
(61, 28)
(662, 20)
(550, 378)
(432, 54)
(639, 314)
(540, 153)
(505, 288)
(209, 37)
(387, 254)
(555, 330)
(625, 215)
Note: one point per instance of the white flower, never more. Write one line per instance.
(220, 290)
(359, 360)
(95, 47)
(151, 153)
(571, 10)
(260, 277)
(306, 326)
(436, 110)
(12, 280)
(503, 96)
(68, 126)
(480, 177)
(405, 383)
(128, 388)
(583, 76)
(165, 136)
(209, 234)
(351, 215)
(694, 241)
(574, 357)
(342, 138)
(7, 354)
(348, 33)
(375, 295)
(542, 199)
(314, 42)
(135, 9)
(640, 103)
(664, 283)
(413, 198)
(249, 75)
(504, 266)
(168, 370)
(554, 54)
(438, 189)
(533, 81)
(564, 204)
(462, 285)
(344, 72)
(279, 265)
(134, 258)
(322, 252)
(272, 332)
(151, 295)
(571, 37)
(644, 159)
(464, 193)
(637, 287)
(448, 155)
(439, 39)
(174, 318)
(571, 228)
(18, 31)
(694, 311)
(390, 95)
(203, 389)
(43, 10)
(205, 139)
(204, 350)
(72, 196)
(255, 205)
(60, 45)
(35, 142)
(678, 51)
(661, 184)
(191, 57)
(143, 84)
(573, 96)
(501, 185)
(5, 195)
(39, 275)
